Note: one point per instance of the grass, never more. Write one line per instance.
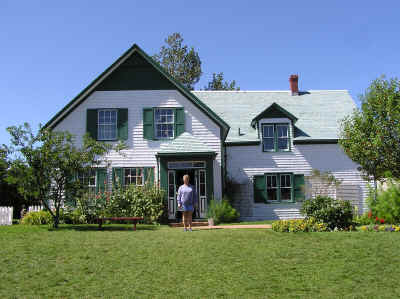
(158, 261)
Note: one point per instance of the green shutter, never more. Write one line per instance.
(69, 199)
(299, 187)
(91, 123)
(149, 175)
(122, 124)
(260, 189)
(148, 123)
(118, 173)
(101, 179)
(179, 121)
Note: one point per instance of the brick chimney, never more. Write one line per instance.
(294, 84)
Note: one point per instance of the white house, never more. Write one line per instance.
(267, 141)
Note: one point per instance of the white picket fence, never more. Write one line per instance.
(35, 208)
(6, 215)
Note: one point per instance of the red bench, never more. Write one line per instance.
(133, 219)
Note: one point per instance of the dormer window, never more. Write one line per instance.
(275, 137)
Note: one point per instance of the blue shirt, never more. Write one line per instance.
(187, 196)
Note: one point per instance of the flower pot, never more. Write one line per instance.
(210, 221)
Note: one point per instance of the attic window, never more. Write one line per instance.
(275, 137)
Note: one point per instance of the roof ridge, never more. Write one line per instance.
(288, 91)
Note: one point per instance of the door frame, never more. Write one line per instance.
(209, 171)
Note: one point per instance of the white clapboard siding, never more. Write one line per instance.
(244, 162)
(141, 152)
(6, 215)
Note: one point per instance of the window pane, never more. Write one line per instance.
(282, 131)
(272, 195)
(268, 144)
(139, 180)
(268, 131)
(283, 143)
(285, 193)
(202, 189)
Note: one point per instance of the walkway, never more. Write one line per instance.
(264, 226)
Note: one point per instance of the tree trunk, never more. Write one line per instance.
(57, 217)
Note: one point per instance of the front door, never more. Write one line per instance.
(198, 179)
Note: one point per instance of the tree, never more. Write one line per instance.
(371, 136)
(218, 83)
(47, 161)
(180, 61)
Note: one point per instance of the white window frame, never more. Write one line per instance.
(156, 123)
(276, 186)
(134, 177)
(107, 124)
(282, 137)
(83, 176)
(290, 187)
(273, 137)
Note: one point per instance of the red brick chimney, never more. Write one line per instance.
(294, 84)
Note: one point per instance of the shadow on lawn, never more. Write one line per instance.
(105, 228)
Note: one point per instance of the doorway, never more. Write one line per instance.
(198, 179)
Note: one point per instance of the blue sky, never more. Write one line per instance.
(51, 50)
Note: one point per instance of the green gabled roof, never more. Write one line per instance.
(100, 84)
(318, 112)
(274, 110)
(185, 143)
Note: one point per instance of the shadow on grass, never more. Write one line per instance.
(114, 227)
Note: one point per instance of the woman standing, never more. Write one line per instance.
(187, 199)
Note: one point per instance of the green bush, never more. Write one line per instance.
(334, 213)
(301, 225)
(221, 211)
(37, 218)
(387, 204)
(142, 201)
(131, 201)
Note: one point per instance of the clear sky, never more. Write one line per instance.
(51, 50)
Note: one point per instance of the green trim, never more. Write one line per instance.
(271, 111)
(209, 174)
(242, 143)
(315, 141)
(278, 183)
(135, 48)
(276, 150)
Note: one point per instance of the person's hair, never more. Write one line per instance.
(186, 176)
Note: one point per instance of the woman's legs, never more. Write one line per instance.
(185, 219)
(190, 213)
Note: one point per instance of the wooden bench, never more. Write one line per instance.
(133, 219)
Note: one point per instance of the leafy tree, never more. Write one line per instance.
(218, 83)
(371, 136)
(180, 61)
(46, 161)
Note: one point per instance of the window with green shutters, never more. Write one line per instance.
(278, 187)
(260, 194)
(107, 124)
(163, 123)
(123, 176)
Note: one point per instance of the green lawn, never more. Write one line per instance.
(166, 262)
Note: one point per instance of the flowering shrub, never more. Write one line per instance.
(302, 225)
(387, 204)
(380, 228)
(335, 213)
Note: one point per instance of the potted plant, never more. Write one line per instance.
(211, 213)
